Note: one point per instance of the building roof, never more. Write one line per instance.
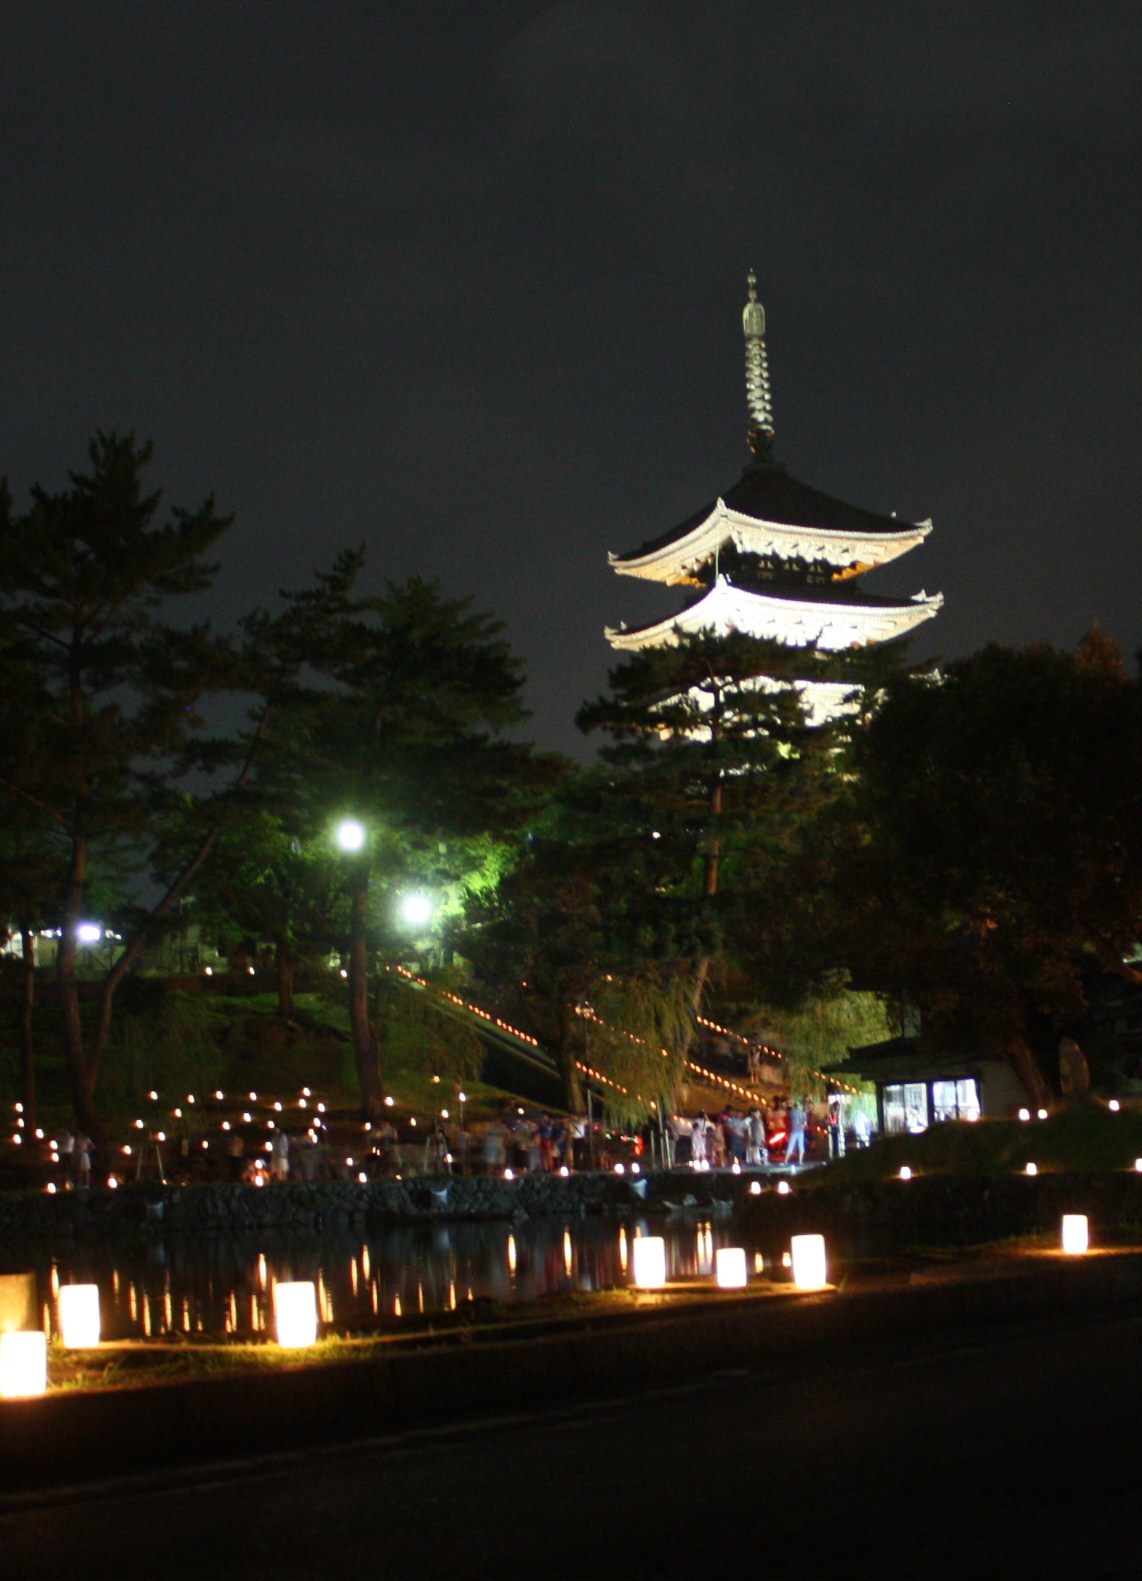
(829, 617)
(767, 494)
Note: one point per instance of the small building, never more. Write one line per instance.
(915, 1089)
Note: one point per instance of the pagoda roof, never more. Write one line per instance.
(768, 512)
(828, 617)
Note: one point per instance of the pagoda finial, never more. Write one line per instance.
(758, 399)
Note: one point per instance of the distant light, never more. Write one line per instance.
(253, 1097)
(153, 1096)
(1114, 1105)
(362, 1177)
(783, 1188)
(160, 1136)
(139, 1125)
(620, 1169)
(249, 971)
(564, 1171)
(79, 1316)
(462, 1096)
(444, 1114)
(277, 1108)
(736, 1169)
(89, 933)
(808, 1257)
(1024, 1114)
(208, 971)
(344, 973)
(1138, 1166)
(905, 1172)
(389, 1101)
(635, 1169)
(1076, 1234)
(351, 835)
(219, 1095)
(1042, 1113)
(509, 1174)
(1031, 1169)
(755, 1188)
(729, 1267)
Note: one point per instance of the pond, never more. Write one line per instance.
(223, 1287)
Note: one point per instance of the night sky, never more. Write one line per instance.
(464, 281)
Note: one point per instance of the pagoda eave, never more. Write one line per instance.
(792, 621)
(675, 562)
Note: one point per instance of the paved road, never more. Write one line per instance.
(1011, 1454)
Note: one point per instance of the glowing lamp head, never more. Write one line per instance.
(730, 1267)
(1114, 1106)
(783, 1188)
(1031, 1169)
(1024, 1114)
(807, 1255)
(416, 910)
(23, 1364)
(89, 933)
(1076, 1234)
(79, 1324)
(649, 1262)
(905, 1172)
(295, 1312)
(351, 835)
(755, 1188)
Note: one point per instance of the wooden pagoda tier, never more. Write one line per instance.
(769, 514)
(796, 618)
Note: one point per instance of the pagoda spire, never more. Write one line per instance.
(758, 399)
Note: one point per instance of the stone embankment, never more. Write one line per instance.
(878, 1218)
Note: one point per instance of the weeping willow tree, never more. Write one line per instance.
(820, 1031)
(636, 1033)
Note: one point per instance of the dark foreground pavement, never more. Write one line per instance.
(1008, 1452)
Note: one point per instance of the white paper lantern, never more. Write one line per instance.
(1076, 1237)
(295, 1312)
(808, 1255)
(79, 1325)
(649, 1266)
(23, 1364)
(730, 1268)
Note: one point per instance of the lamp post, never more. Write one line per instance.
(352, 839)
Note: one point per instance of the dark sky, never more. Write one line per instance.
(464, 280)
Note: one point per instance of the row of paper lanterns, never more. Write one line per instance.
(24, 1359)
(24, 1352)
(807, 1258)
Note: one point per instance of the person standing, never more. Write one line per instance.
(796, 1142)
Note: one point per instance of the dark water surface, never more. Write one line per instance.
(223, 1286)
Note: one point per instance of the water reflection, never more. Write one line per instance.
(224, 1287)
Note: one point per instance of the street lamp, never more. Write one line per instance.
(416, 910)
(352, 838)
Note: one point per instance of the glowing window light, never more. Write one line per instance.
(807, 1253)
(79, 1322)
(295, 1313)
(730, 1267)
(1076, 1234)
(755, 1188)
(23, 1364)
(648, 1266)
(1031, 1169)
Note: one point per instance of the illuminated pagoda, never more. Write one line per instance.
(776, 559)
